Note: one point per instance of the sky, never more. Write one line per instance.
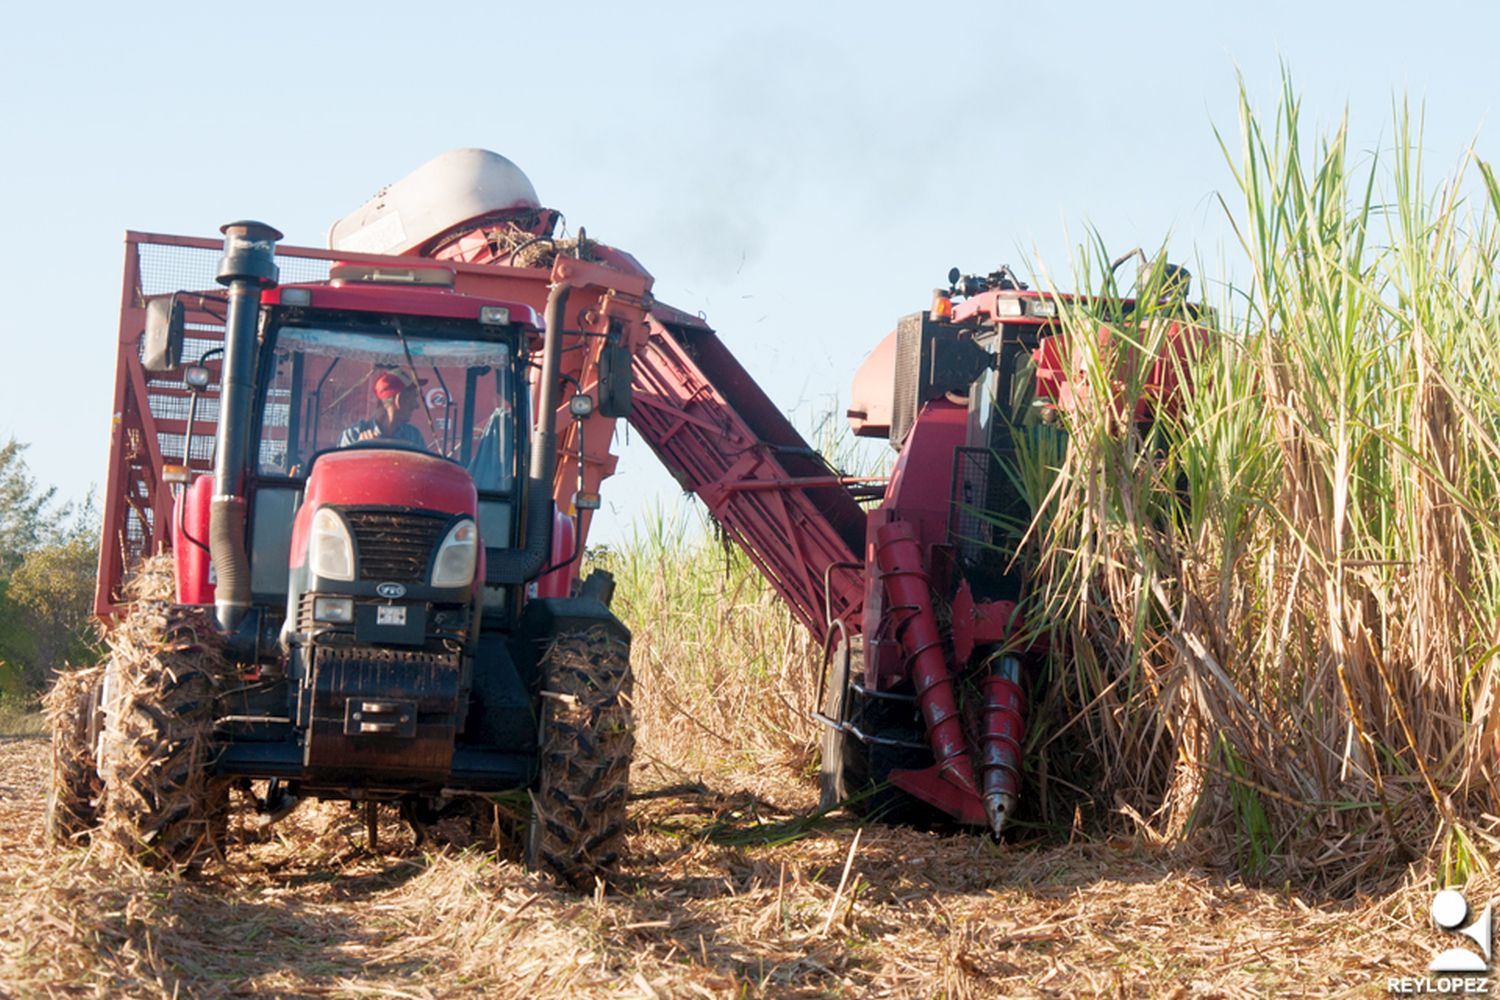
(802, 174)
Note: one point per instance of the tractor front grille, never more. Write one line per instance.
(395, 545)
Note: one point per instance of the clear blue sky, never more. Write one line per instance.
(801, 173)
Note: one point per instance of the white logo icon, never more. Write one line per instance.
(1449, 910)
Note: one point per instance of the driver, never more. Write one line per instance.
(396, 401)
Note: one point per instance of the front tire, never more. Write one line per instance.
(74, 789)
(577, 827)
(161, 804)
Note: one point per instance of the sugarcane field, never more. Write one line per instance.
(803, 501)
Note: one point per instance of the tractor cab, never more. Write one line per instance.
(395, 402)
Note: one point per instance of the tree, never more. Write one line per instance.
(23, 508)
(54, 590)
(48, 557)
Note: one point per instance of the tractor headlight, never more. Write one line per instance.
(330, 550)
(456, 557)
(335, 610)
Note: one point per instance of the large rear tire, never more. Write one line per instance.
(74, 789)
(577, 827)
(161, 805)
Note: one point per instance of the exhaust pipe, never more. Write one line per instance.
(522, 564)
(248, 267)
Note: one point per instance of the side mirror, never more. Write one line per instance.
(161, 344)
(615, 397)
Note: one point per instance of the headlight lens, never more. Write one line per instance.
(330, 550)
(456, 557)
(336, 610)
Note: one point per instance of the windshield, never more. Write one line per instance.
(332, 388)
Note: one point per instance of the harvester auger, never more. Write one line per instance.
(375, 466)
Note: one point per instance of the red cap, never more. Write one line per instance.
(392, 383)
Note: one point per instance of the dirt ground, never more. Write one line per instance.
(846, 912)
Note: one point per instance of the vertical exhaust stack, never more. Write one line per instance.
(248, 267)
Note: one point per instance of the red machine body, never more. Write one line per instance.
(558, 582)
(382, 477)
(195, 583)
(874, 577)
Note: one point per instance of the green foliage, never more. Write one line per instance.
(48, 557)
(724, 674)
(23, 508)
(20, 715)
(17, 645)
(53, 589)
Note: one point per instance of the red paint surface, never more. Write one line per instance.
(382, 477)
(192, 563)
(909, 606)
(1003, 730)
(871, 396)
(407, 300)
(921, 488)
(559, 582)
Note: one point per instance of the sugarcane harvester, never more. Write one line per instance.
(401, 610)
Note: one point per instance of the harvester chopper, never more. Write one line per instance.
(401, 620)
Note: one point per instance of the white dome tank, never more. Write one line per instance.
(446, 191)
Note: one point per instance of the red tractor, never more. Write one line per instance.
(375, 479)
(372, 594)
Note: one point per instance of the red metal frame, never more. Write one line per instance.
(708, 422)
(784, 521)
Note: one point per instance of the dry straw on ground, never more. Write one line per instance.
(307, 911)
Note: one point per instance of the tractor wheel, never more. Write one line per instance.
(161, 806)
(73, 792)
(845, 760)
(577, 827)
(856, 773)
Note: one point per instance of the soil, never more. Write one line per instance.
(704, 907)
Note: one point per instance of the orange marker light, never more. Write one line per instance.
(942, 305)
